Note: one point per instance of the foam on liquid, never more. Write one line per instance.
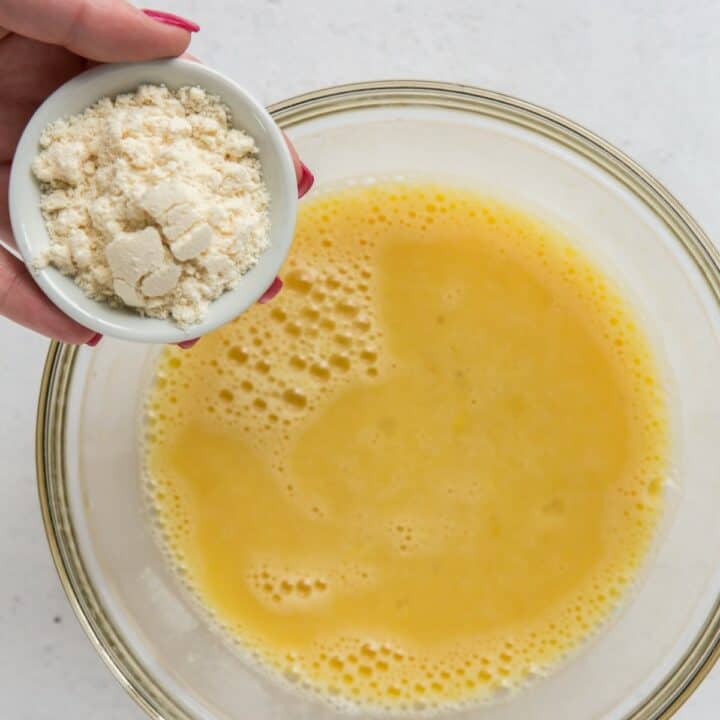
(428, 469)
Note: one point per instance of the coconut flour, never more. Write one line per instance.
(153, 201)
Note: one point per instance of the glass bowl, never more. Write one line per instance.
(652, 654)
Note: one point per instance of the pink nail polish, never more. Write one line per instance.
(272, 291)
(171, 19)
(94, 340)
(306, 180)
(186, 344)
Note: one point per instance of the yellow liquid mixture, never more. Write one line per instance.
(427, 469)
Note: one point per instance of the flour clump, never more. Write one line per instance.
(153, 201)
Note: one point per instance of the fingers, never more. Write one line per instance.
(304, 177)
(30, 72)
(172, 19)
(22, 301)
(103, 30)
(295, 158)
(272, 291)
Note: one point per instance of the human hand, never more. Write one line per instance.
(44, 43)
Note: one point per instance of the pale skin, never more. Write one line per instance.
(44, 43)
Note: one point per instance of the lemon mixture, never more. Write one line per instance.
(429, 468)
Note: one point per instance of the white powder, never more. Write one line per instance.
(153, 201)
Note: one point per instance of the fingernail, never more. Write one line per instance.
(272, 291)
(94, 340)
(185, 344)
(171, 19)
(306, 180)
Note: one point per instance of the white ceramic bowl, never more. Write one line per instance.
(110, 80)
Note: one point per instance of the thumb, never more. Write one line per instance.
(101, 30)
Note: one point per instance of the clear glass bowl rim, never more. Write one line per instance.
(703, 652)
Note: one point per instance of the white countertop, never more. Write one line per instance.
(642, 74)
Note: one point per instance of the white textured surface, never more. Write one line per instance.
(641, 74)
